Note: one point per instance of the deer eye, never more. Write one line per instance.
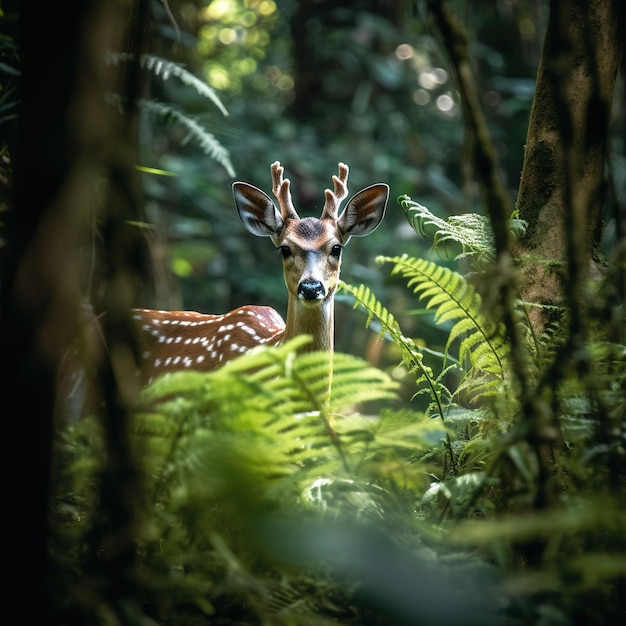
(285, 251)
(336, 251)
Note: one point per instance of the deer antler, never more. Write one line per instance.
(280, 188)
(334, 198)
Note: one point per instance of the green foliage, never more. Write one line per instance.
(164, 70)
(454, 300)
(470, 231)
(250, 475)
(412, 356)
(207, 142)
(275, 492)
(491, 468)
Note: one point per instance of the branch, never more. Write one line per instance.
(498, 205)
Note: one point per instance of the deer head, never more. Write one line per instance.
(311, 248)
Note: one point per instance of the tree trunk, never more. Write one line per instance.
(67, 138)
(560, 194)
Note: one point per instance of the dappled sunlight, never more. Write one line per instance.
(233, 38)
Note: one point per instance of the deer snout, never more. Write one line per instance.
(311, 290)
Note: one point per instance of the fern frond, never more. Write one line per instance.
(471, 231)
(454, 300)
(165, 69)
(268, 393)
(364, 298)
(411, 355)
(236, 426)
(479, 385)
(354, 383)
(207, 142)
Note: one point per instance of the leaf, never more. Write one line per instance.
(165, 69)
(471, 231)
(207, 142)
(454, 300)
(411, 354)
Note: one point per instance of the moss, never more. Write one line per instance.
(540, 181)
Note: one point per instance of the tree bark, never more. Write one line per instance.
(41, 232)
(560, 193)
(67, 138)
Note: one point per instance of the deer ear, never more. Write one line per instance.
(257, 211)
(364, 212)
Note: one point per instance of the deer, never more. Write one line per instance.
(311, 250)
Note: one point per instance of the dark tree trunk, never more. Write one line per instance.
(67, 139)
(37, 294)
(560, 194)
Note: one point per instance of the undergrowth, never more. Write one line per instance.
(265, 498)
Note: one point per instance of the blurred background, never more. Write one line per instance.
(310, 84)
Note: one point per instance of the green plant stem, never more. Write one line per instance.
(323, 409)
(410, 353)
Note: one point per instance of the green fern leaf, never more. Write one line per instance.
(164, 69)
(472, 232)
(207, 142)
(454, 300)
(461, 328)
(411, 355)
(389, 326)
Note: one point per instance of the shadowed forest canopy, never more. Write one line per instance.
(464, 459)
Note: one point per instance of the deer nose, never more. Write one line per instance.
(311, 290)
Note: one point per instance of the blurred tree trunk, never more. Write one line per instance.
(562, 182)
(68, 141)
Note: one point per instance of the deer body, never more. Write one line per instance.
(175, 340)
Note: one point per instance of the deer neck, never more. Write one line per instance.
(319, 322)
